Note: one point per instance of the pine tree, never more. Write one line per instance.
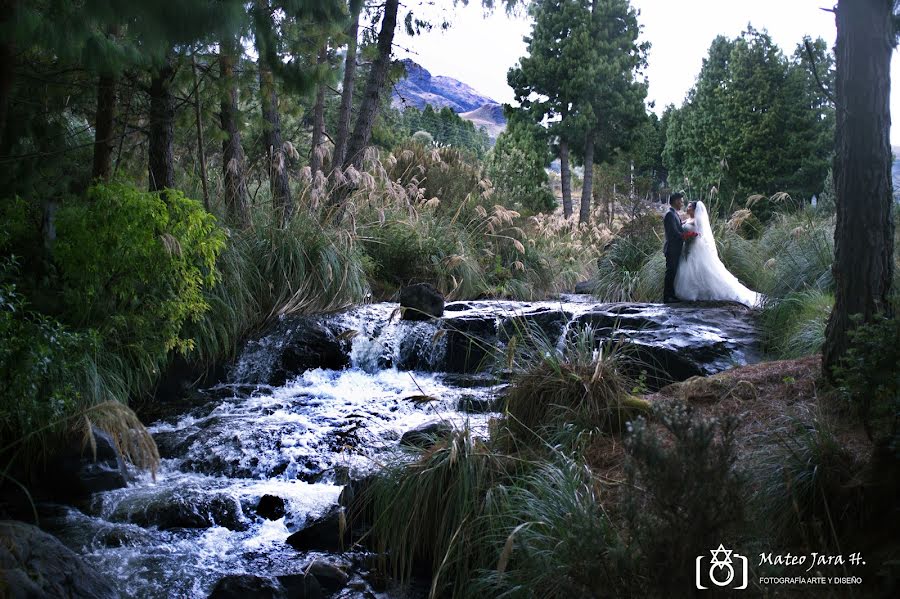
(864, 235)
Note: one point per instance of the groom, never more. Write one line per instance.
(673, 245)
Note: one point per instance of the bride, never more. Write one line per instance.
(701, 274)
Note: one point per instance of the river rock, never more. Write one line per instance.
(426, 435)
(242, 586)
(301, 586)
(294, 345)
(330, 576)
(34, 564)
(77, 472)
(270, 507)
(665, 344)
(421, 301)
(180, 508)
(328, 533)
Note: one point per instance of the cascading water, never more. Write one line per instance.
(301, 438)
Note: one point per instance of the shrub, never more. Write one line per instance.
(134, 266)
(869, 376)
(684, 495)
(52, 378)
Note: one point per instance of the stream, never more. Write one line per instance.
(319, 401)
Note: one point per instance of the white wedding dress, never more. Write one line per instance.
(701, 274)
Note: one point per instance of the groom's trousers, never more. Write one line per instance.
(673, 257)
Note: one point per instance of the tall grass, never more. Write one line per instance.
(553, 538)
(580, 384)
(794, 326)
(429, 513)
(803, 473)
(269, 271)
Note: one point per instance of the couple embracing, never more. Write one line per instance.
(693, 268)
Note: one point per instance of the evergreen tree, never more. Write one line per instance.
(755, 122)
(517, 166)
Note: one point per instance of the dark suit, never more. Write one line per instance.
(672, 250)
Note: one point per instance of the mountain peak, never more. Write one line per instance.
(420, 87)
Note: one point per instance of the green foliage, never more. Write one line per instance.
(869, 376)
(687, 495)
(755, 122)
(517, 168)
(134, 266)
(38, 356)
(446, 128)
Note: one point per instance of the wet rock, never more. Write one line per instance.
(585, 287)
(426, 434)
(36, 564)
(330, 576)
(77, 472)
(242, 586)
(301, 586)
(421, 301)
(664, 344)
(472, 404)
(293, 346)
(270, 507)
(328, 533)
(180, 509)
(356, 500)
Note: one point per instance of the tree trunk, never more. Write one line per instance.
(374, 86)
(343, 125)
(864, 234)
(7, 63)
(584, 215)
(201, 153)
(315, 159)
(278, 171)
(162, 128)
(104, 123)
(236, 205)
(565, 174)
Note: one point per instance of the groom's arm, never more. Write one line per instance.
(672, 225)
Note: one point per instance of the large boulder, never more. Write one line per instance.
(293, 346)
(425, 435)
(270, 507)
(169, 508)
(34, 564)
(78, 471)
(327, 533)
(421, 301)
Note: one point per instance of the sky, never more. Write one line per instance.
(478, 50)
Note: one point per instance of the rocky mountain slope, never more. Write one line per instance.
(420, 88)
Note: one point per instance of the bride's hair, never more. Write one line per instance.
(692, 205)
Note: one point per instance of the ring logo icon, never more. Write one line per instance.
(726, 569)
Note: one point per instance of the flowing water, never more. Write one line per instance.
(177, 534)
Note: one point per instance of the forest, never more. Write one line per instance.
(212, 218)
